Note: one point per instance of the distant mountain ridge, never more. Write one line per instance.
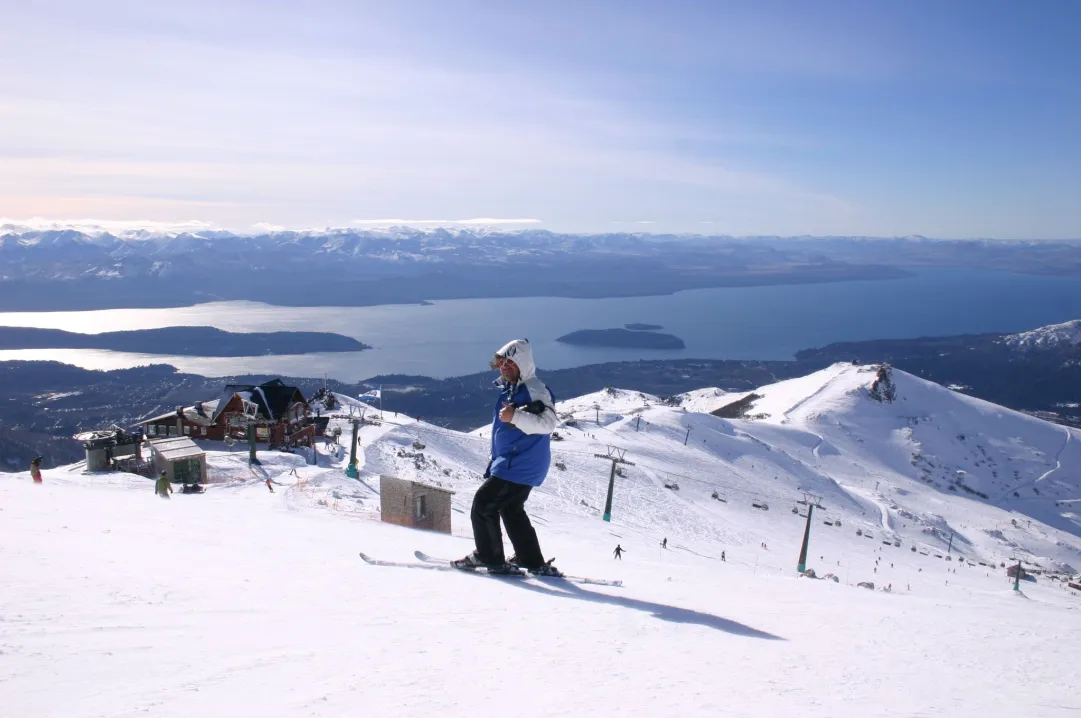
(1053, 336)
(88, 268)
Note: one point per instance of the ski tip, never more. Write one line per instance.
(421, 555)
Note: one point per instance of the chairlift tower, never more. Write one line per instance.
(614, 455)
(249, 416)
(351, 469)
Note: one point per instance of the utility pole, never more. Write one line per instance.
(1017, 577)
(951, 544)
(598, 408)
(616, 457)
(687, 436)
(637, 422)
(806, 539)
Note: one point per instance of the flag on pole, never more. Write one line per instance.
(373, 394)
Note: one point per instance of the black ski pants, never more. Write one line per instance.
(497, 499)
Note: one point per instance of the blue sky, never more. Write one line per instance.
(947, 119)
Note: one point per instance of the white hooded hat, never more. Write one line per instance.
(521, 353)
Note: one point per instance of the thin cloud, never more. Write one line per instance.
(267, 227)
(92, 226)
(475, 221)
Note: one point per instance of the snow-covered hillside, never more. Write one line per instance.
(240, 601)
(1051, 336)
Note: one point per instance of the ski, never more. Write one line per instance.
(427, 560)
(438, 567)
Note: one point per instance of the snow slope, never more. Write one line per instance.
(243, 602)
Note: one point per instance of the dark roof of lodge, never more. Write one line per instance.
(272, 398)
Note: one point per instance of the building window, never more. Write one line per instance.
(151, 430)
(202, 430)
(187, 430)
(421, 507)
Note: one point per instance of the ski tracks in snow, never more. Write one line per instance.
(1044, 475)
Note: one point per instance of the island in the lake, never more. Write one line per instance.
(182, 341)
(622, 339)
(639, 327)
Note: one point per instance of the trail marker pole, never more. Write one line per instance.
(688, 436)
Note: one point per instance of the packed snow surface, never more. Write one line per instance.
(244, 602)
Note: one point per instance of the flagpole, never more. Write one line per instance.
(380, 401)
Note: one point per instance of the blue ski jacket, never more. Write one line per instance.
(521, 449)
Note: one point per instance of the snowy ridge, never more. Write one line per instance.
(708, 400)
(1051, 336)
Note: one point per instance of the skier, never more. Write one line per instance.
(522, 425)
(35, 469)
(722, 556)
(269, 486)
(162, 487)
(664, 542)
(618, 553)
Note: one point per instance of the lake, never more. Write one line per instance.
(454, 337)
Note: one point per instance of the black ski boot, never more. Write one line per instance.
(546, 569)
(472, 563)
(469, 563)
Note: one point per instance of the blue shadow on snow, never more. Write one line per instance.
(673, 614)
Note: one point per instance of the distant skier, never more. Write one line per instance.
(523, 420)
(722, 557)
(35, 469)
(664, 542)
(269, 486)
(162, 487)
(618, 553)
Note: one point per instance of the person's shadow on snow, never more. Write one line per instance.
(660, 610)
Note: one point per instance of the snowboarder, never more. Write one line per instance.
(618, 553)
(523, 420)
(162, 487)
(664, 542)
(35, 469)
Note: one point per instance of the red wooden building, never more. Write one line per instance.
(280, 414)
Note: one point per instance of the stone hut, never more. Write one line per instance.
(413, 504)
